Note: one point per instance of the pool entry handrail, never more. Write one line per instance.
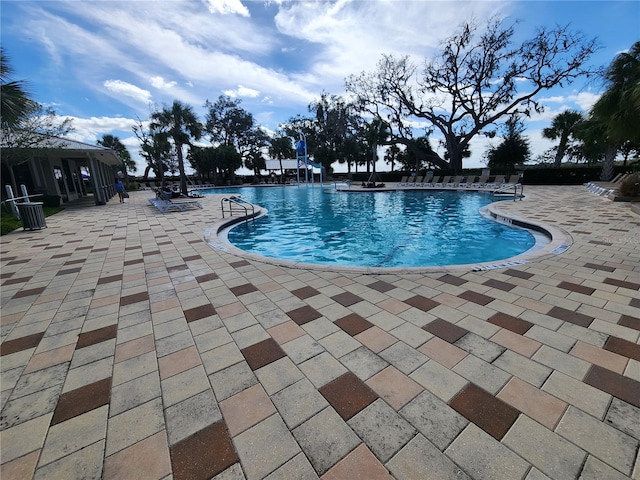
(506, 190)
(238, 204)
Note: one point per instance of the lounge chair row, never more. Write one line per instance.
(607, 189)
(460, 182)
(164, 203)
(198, 184)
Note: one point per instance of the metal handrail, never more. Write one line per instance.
(507, 188)
(240, 203)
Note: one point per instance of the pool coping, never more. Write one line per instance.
(559, 242)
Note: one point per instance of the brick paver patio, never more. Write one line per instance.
(131, 349)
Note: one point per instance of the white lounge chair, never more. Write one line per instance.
(497, 182)
(431, 183)
(481, 183)
(164, 203)
(455, 182)
(513, 180)
(445, 181)
(467, 182)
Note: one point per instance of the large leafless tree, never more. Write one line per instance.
(479, 77)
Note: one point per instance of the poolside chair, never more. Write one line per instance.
(164, 203)
(482, 181)
(618, 177)
(497, 182)
(418, 182)
(410, 181)
(445, 180)
(513, 180)
(403, 181)
(454, 183)
(607, 189)
(431, 183)
(467, 182)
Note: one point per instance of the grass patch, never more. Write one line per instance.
(8, 223)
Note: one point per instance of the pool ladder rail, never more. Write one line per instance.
(508, 188)
(237, 205)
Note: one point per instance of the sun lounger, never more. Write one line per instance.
(497, 182)
(445, 181)
(164, 203)
(607, 189)
(431, 183)
(403, 181)
(454, 183)
(467, 182)
(513, 180)
(618, 177)
(418, 182)
(481, 183)
(410, 181)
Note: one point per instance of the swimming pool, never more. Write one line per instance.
(411, 228)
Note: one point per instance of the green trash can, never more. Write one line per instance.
(32, 215)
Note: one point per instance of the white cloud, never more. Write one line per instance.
(242, 91)
(557, 104)
(89, 130)
(352, 35)
(227, 7)
(159, 83)
(584, 100)
(128, 90)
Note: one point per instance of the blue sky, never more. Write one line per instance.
(106, 64)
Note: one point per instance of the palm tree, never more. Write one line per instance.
(391, 155)
(16, 104)
(618, 109)
(375, 133)
(562, 127)
(281, 148)
(619, 105)
(180, 124)
(114, 143)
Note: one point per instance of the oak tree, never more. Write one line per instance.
(479, 76)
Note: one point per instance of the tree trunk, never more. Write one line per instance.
(374, 157)
(562, 147)
(454, 149)
(183, 176)
(455, 162)
(607, 168)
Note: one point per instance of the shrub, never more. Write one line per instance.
(133, 186)
(630, 186)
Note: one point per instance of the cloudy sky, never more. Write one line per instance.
(108, 63)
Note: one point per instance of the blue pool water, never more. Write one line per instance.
(375, 229)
